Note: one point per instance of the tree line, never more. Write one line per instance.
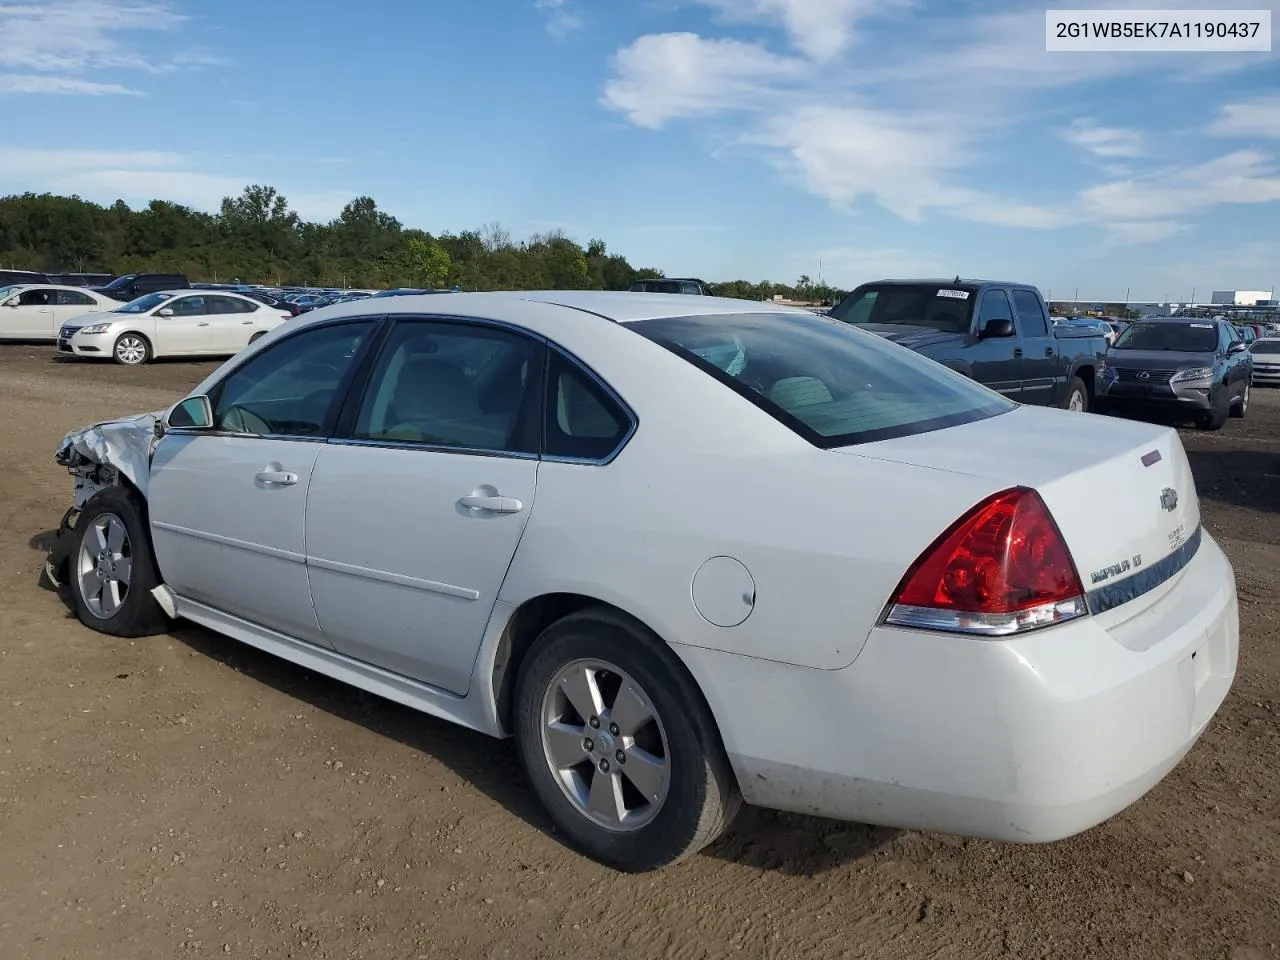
(258, 238)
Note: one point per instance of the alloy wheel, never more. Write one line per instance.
(104, 566)
(131, 350)
(605, 745)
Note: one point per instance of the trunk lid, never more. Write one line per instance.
(1106, 482)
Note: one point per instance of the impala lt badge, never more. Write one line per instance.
(1169, 499)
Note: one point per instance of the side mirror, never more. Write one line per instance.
(12, 302)
(193, 413)
(165, 312)
(998, 327)
(1237, 347)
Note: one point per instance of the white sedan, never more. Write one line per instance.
(688, 551)
(174, 323)
(35, 311)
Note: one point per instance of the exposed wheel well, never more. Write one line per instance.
(1087, 375)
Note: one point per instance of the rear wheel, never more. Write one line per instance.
(112, 570)
(617, 743)
(1077, 396)
(131, 349)
(1241, 407)
(257, 336)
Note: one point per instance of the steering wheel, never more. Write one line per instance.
(243, 420)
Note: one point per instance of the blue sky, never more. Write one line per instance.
(718, 138)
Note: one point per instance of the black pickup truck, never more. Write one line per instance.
(1000, 334)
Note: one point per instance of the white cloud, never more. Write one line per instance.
(561, 18)
(73, 36)
(819, 28)
(1246, 176)
(1121, 233)
(35, 83)
(22, 162)
(854, 265)
(664, 76)
(1252, 118)
(1103, 141)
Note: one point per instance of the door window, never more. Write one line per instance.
(36, 298)
(995, 306)
(189, 306)
(289, 389)
(454, 385)
(1030, 314)
(582, 421)
(223, 305)
(74, 298)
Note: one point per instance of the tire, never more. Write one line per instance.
(1077, 397)
(117, 518)
(604, 655)
(1217, 418)
(1238, 410)
(131, 349)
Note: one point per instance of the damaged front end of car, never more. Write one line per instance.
(100, 456)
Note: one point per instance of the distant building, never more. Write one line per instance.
(1239, 298)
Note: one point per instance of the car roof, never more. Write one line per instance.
(47, 286)
(620, 306)
(946, 282)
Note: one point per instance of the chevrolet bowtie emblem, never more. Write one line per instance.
(1169, 499)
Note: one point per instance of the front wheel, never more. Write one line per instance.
(618, 744)
(131, 349)
(1216, 418)
(112, 570)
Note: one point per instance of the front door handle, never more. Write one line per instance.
(492, 504)
(202, 323)
(276, 478)
(1017, 352)
(1048, 351)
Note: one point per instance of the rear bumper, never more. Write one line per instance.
(1032, 739)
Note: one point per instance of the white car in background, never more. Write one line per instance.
(35, 311)
(175, 323)
(688, 551)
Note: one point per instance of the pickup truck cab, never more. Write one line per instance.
(996, 333)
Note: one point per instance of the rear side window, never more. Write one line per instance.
(829, 382)
(74, 298)
(1031, 313)
(583, 422)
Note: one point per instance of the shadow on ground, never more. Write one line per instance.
(1238, 478)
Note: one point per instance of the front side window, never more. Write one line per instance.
(1171, 336)
(995, 306)
(288, 389)
(74, 298)
(454, 385)
(829, 382)
(36, 298)
(582, 421)
(948, 309)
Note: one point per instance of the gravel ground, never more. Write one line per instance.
(189, 796)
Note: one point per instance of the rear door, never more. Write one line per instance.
(1040, 361)
(71, 304)
(996, 361)
(230, 322)
(413, 517)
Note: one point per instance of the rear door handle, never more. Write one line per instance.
(202, 323)
(1017, 352)
(492, 504)
(1048, 351)
(276, 478)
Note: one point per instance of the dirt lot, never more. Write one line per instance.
(188, 796)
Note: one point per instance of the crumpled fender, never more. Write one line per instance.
(124, 445)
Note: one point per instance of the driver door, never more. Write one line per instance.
(184, 331)
(996, 362)
(227, 505)
(28, 315)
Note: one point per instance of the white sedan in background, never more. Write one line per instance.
(35, 311)
(175, 323)
(689, 552)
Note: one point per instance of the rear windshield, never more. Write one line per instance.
(832, 384)
(1267, 346)
(936, 306)
(656, 286)
(1162, 335)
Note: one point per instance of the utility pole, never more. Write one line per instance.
(1193, 297)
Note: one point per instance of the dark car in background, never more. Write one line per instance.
(134, 285)
(272, 301)
(82, 279)
(1194, 369)
(686, 285)
(1266, 361)
(11, 277)
(994, 332)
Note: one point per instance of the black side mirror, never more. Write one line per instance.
(997, 327)
(1237, 347)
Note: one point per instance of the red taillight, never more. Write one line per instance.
(1000, 569)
